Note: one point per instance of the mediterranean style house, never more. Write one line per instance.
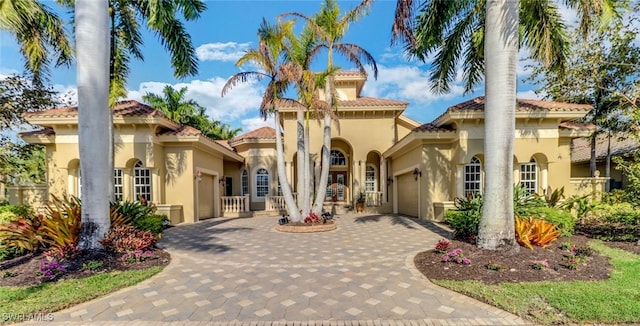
(402, 166)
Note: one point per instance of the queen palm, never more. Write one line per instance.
(329, 28)
(38, 32)
(484, 35)
(271, 66)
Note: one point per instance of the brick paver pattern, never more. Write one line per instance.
(243, 272)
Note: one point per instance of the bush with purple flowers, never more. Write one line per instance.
(51, 270)
(456, 256)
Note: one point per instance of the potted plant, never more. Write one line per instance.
(360, 202)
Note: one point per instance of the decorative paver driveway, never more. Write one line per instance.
(242, 271)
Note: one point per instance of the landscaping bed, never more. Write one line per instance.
(26, 271)
(516, 266)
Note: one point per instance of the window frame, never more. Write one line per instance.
(370, 185)
(137, 193)
(529, 176)
(261, 183)
(244, 182)
(118, 184)
(336, 155)
(472, 177)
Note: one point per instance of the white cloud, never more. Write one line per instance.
(530, 95)
(229, 51)
(255, 123)
(409, 83)
(244, 99)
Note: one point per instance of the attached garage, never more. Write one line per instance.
(407, 195)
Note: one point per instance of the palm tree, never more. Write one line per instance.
(92, 48)
(39, 32)
(484, 36)
(172, 103)
(161, 18)
(269, 60)
(329, 27)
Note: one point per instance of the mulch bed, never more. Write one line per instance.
(518, 265)
(22, 271)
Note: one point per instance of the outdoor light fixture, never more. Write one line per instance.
(198, 176)
(417, 173)
(389, 181)
(221, 181)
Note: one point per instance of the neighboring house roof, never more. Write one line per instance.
(122, 108)
(181, 131)
(620, 144)
(39, 132)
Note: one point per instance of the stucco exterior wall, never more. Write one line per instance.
(179, 179)
(260, 156)
(437, 176)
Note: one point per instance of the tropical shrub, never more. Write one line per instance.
(524, 202)
(612, 222)
(442, 246)
(456, 256)
(6, 217)
(23, 234)
(553, 197)
(465, 219)
(133, 209)
(118, 218)
(51, 270)
(563, 220)
(155, 223)
(18, 210)
(61, 226)
(128, 239)
(537, 232)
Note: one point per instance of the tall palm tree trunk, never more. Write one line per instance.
(324, 169)
(92, 50)
(306, 194)
(496, 230)
(292, 208)
(300, 185)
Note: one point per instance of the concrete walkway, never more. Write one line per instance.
(243, 272)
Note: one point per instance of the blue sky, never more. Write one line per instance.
(228, 28)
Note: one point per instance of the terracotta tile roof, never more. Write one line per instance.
(260, 133)
(181, 131)
(40, 132)
(370, 101)
(225, 144)
(123, 108)
(620, 144)
(353, 73)
(573, 125)
(477, 104)
(430, 127)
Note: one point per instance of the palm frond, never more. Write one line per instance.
(359, 56)
(241, 77)
(544, 32)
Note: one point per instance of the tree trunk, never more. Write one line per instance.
(607, 168)
(92, 51)
(496, 230)
(592, 157)
(321, 193)
(292, 208)
(300, 156)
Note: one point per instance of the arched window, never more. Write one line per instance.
(141, 182)
(472, 177)
(529, 176)
(370, 179)
(262, 183)
(337, 158)
(244, 179)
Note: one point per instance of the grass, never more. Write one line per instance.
(50, 297)
(615, 300)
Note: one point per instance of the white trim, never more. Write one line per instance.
(254, 186)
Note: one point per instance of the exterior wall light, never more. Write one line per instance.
(417, 173)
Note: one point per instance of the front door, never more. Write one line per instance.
(335, 185)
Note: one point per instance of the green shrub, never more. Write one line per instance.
(25, 211)
(464, 220)
(133, 209)
(155, 223)
(563, 220)
(6, 217)
(61, 225)
(7, 253)
(623, 213)
(612, 222)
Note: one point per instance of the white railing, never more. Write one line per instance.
(235, 204)
(275, 203)
(373, 198)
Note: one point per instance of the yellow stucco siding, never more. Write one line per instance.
(179, 179)
(437, 181)
(408, 193)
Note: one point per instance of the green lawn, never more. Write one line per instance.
(49, 297)
(616, 300)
